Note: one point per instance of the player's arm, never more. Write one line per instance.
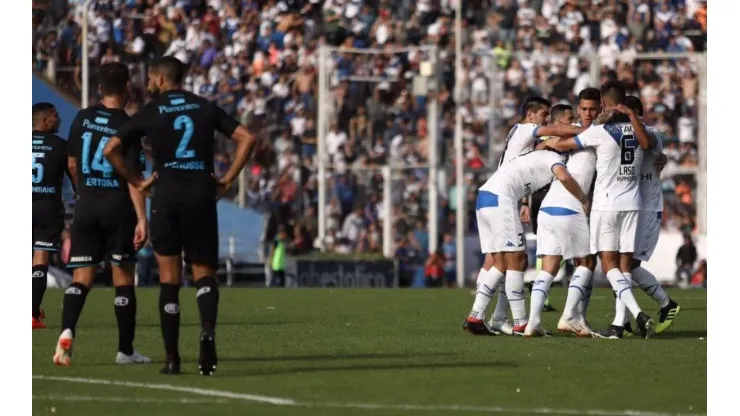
(131, 131)
(661, 159)
(560, 145)
(75, 133)
(141, 232)
(570, 184)
(245, 143)
(72, 171)
(559, 130)
(646, 140)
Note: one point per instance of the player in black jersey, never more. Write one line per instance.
(179, 127)
(49, 163)
(110, 215)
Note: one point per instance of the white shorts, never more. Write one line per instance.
(562, 235)
(613, 231)
(648, 231)
(500, 227)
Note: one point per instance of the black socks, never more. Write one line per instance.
(207, 297)
(125, 306)
(38, 279)
(169, 316)
(74, 301)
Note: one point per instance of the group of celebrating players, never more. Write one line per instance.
(105, 160)
(606, 201)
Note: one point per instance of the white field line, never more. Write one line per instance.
(119, 399)
(370, 406)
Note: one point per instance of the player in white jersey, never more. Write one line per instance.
(522, 139)
(563, 233)
(646, 239)
(619, 147)
(500, 228)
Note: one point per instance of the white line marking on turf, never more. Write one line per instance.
(370, 406)
(73, 398)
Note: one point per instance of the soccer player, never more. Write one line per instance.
(500, 228)
(522, 139)
(110, 216)
(49, 164)
(648, 231)
(619, 147)
(559, 114)
(180, 128)
(563, 231)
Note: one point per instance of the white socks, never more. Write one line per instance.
(501, 313)
(620, 309)
(622, 287)
(579, 292)
(539, 294)
(515, 293)
(487, 281)
(648, 283)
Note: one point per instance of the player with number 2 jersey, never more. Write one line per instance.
(179, 128)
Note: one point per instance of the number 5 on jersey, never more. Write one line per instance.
(184, 123)
(37, 171)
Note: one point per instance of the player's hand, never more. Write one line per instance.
(222, 188)
(621, 108)
(145, 186)
(524, 214)
(141, 234)
(660, 161)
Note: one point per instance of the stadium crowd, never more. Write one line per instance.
(258, 60)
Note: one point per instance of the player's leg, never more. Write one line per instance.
(200, 240)
(549, 254)
(605, 232)
(47, 226)
(648, 232)
(573, 319)
(121, 226)
(39, 272)
(86, 252)
(628, 226)
(167, 243)
(489, 275)
(75, 296)
(124, 305)
(540, 289)
(516, 262)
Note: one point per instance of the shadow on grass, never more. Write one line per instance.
(405, 365)
(682, 334)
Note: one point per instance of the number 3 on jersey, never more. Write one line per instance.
(628, 145)
(184, 123)
(99, 163)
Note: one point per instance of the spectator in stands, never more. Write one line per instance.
(276, 258)
(434, 269)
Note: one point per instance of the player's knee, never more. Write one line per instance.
(40, 258)
(123, 274)
(84, 276)
(635, 264)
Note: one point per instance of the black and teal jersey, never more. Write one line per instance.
(179, 127)
(90, 132)
(49, 164)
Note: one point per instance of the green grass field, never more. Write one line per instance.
(371, 352)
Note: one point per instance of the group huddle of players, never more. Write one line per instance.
(606, 201)
(105, 161)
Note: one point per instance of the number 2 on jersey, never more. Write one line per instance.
(628, 144)
(37, 174)
(99, 163)
(184, 123)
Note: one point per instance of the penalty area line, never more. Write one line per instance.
(281, 401)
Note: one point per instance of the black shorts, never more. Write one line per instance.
(103, 231)
(48, 224)
(186, 221)
(537, 199)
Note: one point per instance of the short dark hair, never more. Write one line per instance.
(43, 107)
(559, 109)
(635, 104)
(171, 68)
(113, 78)
(534, 104)
(590, 94)
(613, 91)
